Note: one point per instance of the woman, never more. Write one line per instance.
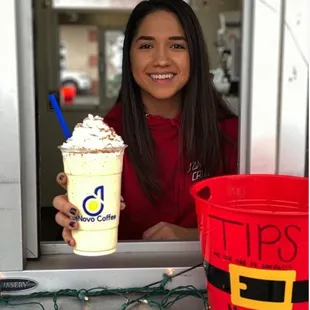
(177, 128)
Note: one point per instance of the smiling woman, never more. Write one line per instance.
(177, 127)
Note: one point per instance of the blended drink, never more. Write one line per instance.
(93, 163)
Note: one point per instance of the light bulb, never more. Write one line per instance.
(170, 272)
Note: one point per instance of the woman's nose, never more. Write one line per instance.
(161, 57)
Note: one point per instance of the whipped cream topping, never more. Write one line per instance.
(93, 134)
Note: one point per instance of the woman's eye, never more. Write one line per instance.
(177, 46)
(145, 46)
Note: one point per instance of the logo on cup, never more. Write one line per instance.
(93, 204)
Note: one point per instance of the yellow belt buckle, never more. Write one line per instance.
(288, 276)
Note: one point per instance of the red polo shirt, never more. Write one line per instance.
(176, 205)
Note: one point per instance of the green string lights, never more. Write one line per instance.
(135, 295)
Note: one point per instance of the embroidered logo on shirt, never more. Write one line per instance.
(196, 172)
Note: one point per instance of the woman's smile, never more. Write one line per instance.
(162, 78)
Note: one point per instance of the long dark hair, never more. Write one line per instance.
(202, 106)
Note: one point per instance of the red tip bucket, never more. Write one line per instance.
(254, 239)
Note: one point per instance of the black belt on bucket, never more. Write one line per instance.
(257, 289)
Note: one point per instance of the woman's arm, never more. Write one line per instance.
(167, 231)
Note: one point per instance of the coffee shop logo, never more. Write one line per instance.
(93, 205)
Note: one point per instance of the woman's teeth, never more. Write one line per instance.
(162, 76)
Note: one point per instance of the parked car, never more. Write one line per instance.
(80, 80)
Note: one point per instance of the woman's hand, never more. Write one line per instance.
(67, 211)
(166, 231)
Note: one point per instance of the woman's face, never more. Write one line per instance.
(160, 60)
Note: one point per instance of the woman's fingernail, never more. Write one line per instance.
(72, 224)
(73, 211)
(61, 177)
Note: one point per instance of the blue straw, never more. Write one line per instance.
(60, 117)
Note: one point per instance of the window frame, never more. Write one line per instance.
(95, 4)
